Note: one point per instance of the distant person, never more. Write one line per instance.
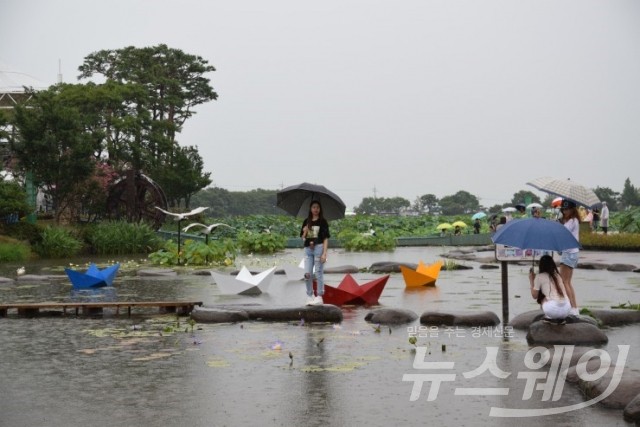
(548, 289)
(476, 226)
(493, 223)
(595, 222)
(503, 221)
(604, 218)
(457, 231)
(569, 257)
(536, 213)
(315, 233)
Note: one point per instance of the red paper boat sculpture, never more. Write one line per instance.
(349, 292)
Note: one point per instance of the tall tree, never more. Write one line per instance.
(605, 194)
(53, 143)
(426, 202)
(379, 205)
(182, 176)
(460, 203)
(170, 83)
(629, 196)
(174, 80)
(523, 196)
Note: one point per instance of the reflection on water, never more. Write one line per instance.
(152, 370)
(106, 294)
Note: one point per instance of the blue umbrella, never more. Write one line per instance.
(535, 233)
(478, 215)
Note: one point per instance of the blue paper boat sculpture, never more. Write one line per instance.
(93, 277)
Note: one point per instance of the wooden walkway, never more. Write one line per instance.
(96, 308)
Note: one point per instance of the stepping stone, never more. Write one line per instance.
(569, 334)
(460, 318)
(216, 315)
(390, 316)
(616, 317)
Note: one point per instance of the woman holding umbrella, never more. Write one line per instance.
(315, 233)
(569, 257)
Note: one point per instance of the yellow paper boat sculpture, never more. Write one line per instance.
(424, 275)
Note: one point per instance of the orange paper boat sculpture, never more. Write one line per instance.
(349, 292)
(424, 275)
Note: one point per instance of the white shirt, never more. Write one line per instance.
(544, 282)
(573, 225)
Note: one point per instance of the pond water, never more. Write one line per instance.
(150, 370)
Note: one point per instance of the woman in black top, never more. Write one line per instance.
(315, 233)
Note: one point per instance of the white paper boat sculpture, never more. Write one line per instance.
(294, 273)
(244, 283)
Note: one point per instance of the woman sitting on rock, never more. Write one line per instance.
(548, 289)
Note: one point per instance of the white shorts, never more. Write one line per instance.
(556, 309)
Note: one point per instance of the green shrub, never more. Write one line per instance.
(168, 255)
(359, 242)
(12, 250)
(627, 221)
(217, 252)
(261, 243)
(22, 231)
(627, 306)
(121, 237)
(56, 242)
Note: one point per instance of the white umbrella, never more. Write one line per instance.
(566, 189)
(534, 205)
(508, 210)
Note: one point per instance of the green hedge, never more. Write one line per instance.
(611, 242)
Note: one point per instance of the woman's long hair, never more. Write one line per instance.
(573, 214)
(310, 216)
(548, 265)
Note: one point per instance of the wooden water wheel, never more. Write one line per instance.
(134, 197)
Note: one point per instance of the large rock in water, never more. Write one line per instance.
(571, 333)
(460, 318)
(390, 316)
(616, 317)
(390, 266)
(313, 313)
(308, 313)
(625, 392)
(621, 267)
(632, 410)
(217, 315)
(524, 320)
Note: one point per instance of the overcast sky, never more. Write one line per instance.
(379, 97)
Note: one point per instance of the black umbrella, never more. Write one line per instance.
(296, 199)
